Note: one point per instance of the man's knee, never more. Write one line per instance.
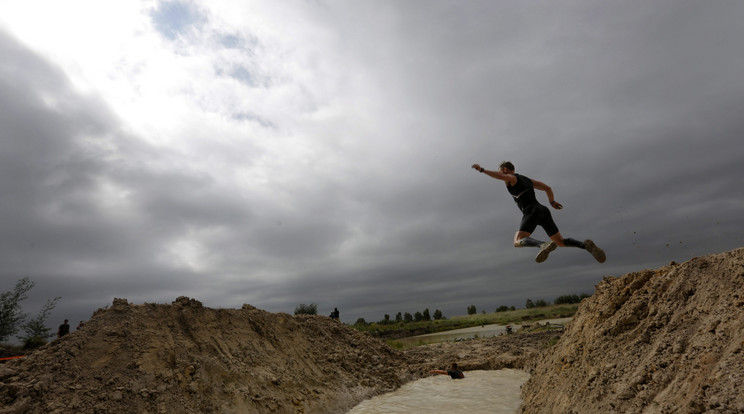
(558, 239)
(518, 236)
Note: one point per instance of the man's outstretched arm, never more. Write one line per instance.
(496, 174)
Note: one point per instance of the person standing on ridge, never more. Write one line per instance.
(63, 329)
(534, 214)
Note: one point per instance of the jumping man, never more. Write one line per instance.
(534, 214)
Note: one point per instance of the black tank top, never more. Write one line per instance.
(523, 192)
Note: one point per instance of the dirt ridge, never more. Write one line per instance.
(185, 358)
(668, 340)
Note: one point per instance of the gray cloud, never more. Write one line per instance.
(631, 112)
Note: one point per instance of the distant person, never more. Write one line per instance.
(453, 372)
(534, 214)
(335, 314)
(80, 325)
(64, 329)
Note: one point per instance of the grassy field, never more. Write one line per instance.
(401, 329)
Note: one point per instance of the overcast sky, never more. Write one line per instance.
(285, 152)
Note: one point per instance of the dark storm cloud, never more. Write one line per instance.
(629, 111)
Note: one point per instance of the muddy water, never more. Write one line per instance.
(493, 392)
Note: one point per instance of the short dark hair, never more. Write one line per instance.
(508, 165)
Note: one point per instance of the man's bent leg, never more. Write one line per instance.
(523, 239)
(574, 243)
(589, 246)
(558, 239)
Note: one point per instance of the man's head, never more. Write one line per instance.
(506, 167)
(454, 366)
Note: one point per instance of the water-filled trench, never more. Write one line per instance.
(493, 392)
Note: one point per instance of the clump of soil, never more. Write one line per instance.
(669, 340)
(185, 358)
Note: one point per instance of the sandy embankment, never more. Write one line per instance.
(669, 340)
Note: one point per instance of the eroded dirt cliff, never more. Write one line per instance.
(669, 340)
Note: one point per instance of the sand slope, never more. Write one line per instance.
(669, 340)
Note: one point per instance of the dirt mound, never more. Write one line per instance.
(658, 341)
(184, 358)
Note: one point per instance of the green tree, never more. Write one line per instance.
(386, 320)
(472, 310)
(502, 308)
(408, 317)
(36, 327)
(398, 317)
(11, 313)
(563, 299)
(426, 315)
(37, 333)
(438, 315)
(418, 316)
(541, 303)
(303, 309)
(529, 304)
(361, 322)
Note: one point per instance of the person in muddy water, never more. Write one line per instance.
(453, 372)
(535, 214)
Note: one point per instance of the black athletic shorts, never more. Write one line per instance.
(538, 215)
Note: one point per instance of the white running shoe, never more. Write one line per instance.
(545, 250)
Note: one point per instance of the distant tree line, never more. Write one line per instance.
(560, 300)
(425, 315)
(407, 317)
(540, 303)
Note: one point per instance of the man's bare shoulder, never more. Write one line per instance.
(509, 178)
